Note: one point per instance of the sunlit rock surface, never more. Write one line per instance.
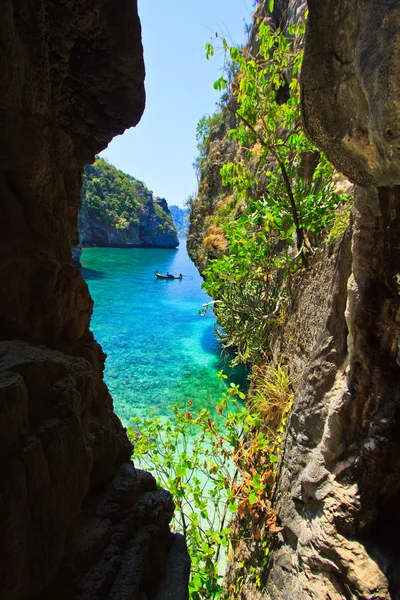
(339, 486)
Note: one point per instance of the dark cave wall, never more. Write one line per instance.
(72, 79)
(77, 520)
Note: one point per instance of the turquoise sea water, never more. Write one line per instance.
(159, 350)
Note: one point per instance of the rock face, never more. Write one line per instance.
(204, 241)
(339, 485)
(119, 210)
(351, 87)
(149, 233)
(181, 220)
(77, 520)
(204, 205)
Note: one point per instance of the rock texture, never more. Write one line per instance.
(204, 205)
(77, 520)
(351, 87)
(205, 241)
(339, 485)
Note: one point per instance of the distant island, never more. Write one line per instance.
(119, 211)
(181, 219)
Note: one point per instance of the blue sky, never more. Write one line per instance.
(179, 88)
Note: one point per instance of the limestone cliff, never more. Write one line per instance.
(338, 486)
(181, 219)
(204, 240)
(118, 210)
(77, 520)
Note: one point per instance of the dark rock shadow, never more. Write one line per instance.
(91, 274)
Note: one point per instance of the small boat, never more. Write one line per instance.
(167, 275)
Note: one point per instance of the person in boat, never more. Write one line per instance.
(156, 271)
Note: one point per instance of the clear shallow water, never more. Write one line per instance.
(159, 350)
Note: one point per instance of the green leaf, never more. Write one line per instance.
(234, 53)
(220, 84)
(271, 5)
(232, 506)
(252, 498)
(209, 50)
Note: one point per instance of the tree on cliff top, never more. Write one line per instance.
(117, 199)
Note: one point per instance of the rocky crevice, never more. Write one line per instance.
(341, 461)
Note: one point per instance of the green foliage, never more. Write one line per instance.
(117, 199)
(271, 393)
(340, 223)
(204, 131)
(191, 457)
(216, 466)
(209, 50)
(287, 201)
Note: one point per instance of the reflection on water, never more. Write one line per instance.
(160, 351)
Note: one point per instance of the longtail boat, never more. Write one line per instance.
(167, 275)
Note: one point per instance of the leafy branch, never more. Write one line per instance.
(219, 467)
(283, 190)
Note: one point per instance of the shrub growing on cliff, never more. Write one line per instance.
(287, 199)
(216, 466)
(206, 128)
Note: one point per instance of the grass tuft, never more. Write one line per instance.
(271, 394)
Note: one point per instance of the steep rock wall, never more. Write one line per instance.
(77, 520)
(338, 489)
(338, 485)
(153, 231)
(180, 218)
(204, 205)
(202, 243)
